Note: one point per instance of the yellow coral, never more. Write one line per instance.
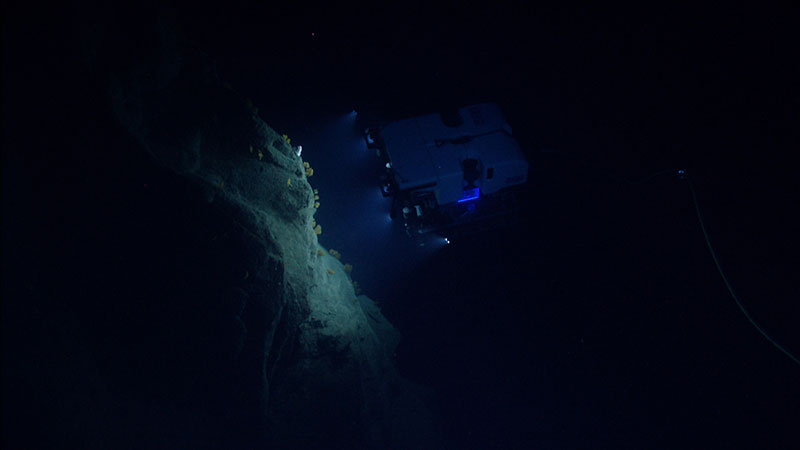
(320, 252)
(309, 171)
(260, 155)
(316, 197)
(316, 191)
(316, 204)
(331, 271)
(318, 229)
(288, 181)
(335, 254)
(348, 268)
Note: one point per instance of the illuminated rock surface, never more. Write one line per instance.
(187, 305)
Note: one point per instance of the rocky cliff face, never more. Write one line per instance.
(310, 362)
(199, 308)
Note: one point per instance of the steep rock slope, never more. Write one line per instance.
(198, 307)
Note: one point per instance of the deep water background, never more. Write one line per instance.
(599, 321)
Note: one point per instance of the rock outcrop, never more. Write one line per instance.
(277, 348)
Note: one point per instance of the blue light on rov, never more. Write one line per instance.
(470, 194)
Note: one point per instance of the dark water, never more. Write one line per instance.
(600, 320)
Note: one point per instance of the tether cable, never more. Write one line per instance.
(755, 324)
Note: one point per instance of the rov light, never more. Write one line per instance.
(470, 194)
